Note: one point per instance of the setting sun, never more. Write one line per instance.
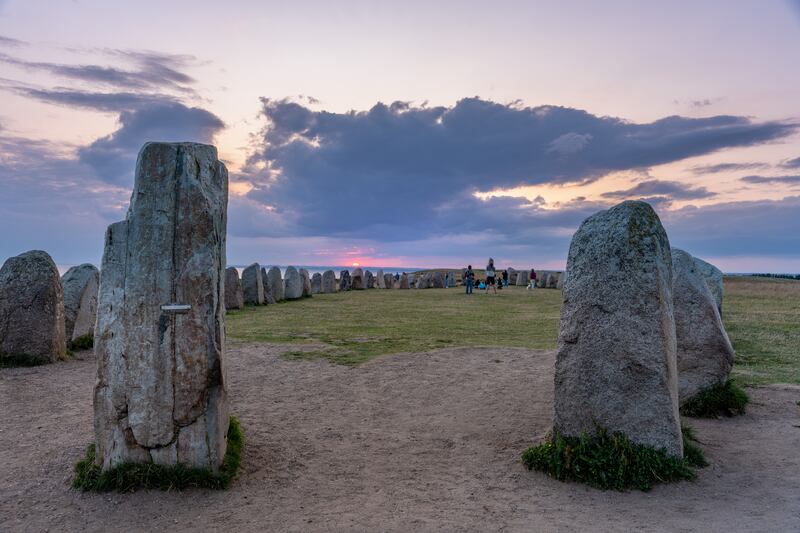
(355, 264)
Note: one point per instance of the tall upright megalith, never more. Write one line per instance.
(616, 362)
(292, 284)
(275, 284)
(32, 308)
(328, 284)
(253, 285)
(80, 300)
(160, 390)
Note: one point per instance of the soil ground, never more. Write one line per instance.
(406, 442)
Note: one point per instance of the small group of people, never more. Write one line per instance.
(493, 279)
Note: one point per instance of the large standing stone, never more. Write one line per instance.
(561, 279)
(32, 308)
(316, 283)
(542, 279)
(512, 276)
(616, 364)
(268, 298)
(80, 300)
(328, 282)
(234, 295)
(552, 280)
(292, 284)
(276, 284)
(253, 285)
(160, 392)
(713, 278)
(344, 280)
(357, 279)
(381, 280)
(403, 281)
(705, 354)
(438, 280)
(522, 278)
(369, 280)
(306, 282)
(388, 281)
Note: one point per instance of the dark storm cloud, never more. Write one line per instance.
(660, 188)
(113, 157)
(153, 71)
(400, 168)
(774, 180)
(727, 167)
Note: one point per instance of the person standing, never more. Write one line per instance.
(490, 276)
(532, 283)
(505, 278)
(469, 279)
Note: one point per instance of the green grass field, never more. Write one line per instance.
(762, 317)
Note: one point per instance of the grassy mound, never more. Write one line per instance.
(727, 399)
(84, 342)
(12, 360)
(128, 477)
(611, 461)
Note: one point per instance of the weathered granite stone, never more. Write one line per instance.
(276, 285)
(616, 362)
(357, 279)
(561, 279)
(268, 298)
(234, 295)
(713, 277)
(292, 284)
(316, 283)
(438, 280)
(552, 280)
(253, 285)
(380, 279)
(542, 279)
(369, 280)
(32, 308)
(328, 282)
(522, 278)
(403, 284)
(705, 354)
(344, 280)
(306, 282)
(388, 281)
(80, 285)
(512, 276)
(160, 391)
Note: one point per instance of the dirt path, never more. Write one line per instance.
(407, 442)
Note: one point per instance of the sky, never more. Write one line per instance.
(417, 134)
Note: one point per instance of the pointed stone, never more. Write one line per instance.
(80, 300)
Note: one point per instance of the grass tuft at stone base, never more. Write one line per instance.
(128, 477)
(84, 342)
(21, 360)
(611, 461)
(727, 399)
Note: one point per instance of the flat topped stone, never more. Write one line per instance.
(32, 308)
(160, 392)
(234, 295)
(616, 362)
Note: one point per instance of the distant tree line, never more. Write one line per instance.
(783, 276)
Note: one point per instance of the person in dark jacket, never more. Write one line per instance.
(490, 276)
(532, 282)
(505, 278)
(469, 279)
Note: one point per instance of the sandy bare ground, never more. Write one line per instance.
(407, 442)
